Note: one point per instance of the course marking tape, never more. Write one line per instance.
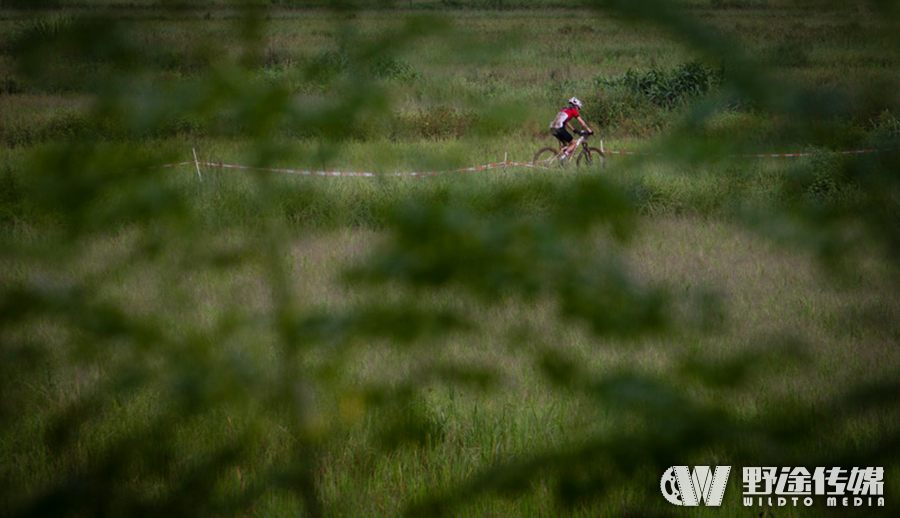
(632, 153)
(496, 165)
(764, 155)
(415, 174)
(175, 165)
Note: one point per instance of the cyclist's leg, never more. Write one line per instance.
(557, 137)
(565, 138)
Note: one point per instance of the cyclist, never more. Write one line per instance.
(559, 124)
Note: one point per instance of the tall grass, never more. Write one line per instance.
(459, 430)
(505, 342)
(455, 80)
(676, 183)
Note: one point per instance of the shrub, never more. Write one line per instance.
(629, 114)
(44, 28)
(668, 88)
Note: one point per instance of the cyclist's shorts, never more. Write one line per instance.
(564, 136)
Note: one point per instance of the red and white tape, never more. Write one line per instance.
(415, 174)
(792, 155)
(496, 165)
(762, 155)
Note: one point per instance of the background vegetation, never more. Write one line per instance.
(505, 342)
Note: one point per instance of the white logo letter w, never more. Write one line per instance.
(682, 487)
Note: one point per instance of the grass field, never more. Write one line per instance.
(511, 342)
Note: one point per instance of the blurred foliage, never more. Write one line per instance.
(183, 410)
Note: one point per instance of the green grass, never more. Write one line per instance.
(508, 342)
(447, 70)
(768, 290)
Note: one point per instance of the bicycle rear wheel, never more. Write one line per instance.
(545, 157)
(590, 156)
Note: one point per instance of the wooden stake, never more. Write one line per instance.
(197, 164)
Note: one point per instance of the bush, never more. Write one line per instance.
(668, 88)
(639, 104)
(44, 28)
(629, 114)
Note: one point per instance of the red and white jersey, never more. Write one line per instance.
(563, 117)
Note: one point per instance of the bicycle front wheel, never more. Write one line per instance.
(545, 157)
(590, 156)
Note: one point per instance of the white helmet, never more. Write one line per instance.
(575, 101)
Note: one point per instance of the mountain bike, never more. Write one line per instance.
(552, 157)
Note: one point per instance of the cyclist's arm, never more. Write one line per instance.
(583, 124)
